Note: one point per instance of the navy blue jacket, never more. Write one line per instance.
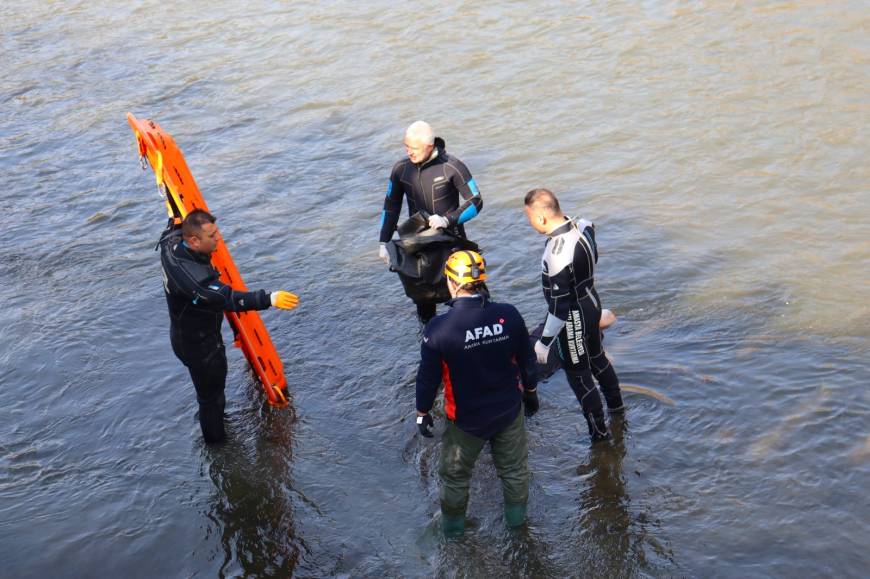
(481, 350)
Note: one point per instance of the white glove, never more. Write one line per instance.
(438, 222)
(383, 254)
(542, 351)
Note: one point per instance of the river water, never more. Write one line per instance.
(720, 147)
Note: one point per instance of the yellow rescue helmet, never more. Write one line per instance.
(465, 267)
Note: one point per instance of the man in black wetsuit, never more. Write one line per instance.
(197, 299)
(481, 352)
(436, 184)
(574, 309)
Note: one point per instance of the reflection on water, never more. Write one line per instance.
(718, 147)
(251, 506)
(614, 534)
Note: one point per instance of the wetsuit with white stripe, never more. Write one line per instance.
(574, 314)
(442, 185)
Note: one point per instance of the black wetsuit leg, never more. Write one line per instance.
(208, 371)
(574, 352)
(603, 371)
(209, 379)
(425, 312)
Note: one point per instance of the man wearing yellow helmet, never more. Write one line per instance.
(480, 349)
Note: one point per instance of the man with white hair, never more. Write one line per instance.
(437, 185)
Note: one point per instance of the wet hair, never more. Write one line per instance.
(421, 131)
(192, 224)
(543, 199)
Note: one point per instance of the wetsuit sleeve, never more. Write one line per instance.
(587, 230)
(392, 205)
(218, 295)
(203, 287)
(558, 303)
(559, 296)
(471, 203)
(525, 356)
(428, 376)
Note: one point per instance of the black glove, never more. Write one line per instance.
(531, 402)
(424, 423)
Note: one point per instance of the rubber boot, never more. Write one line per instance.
(453, 527)
(514, 515)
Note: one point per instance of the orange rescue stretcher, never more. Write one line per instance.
(182, 196)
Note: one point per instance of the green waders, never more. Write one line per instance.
(459, 452)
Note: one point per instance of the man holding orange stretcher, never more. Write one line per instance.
(197, 299)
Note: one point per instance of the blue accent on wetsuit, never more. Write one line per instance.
(469, 213)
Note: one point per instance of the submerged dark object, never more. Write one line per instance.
(553, 363)
(418, 256)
